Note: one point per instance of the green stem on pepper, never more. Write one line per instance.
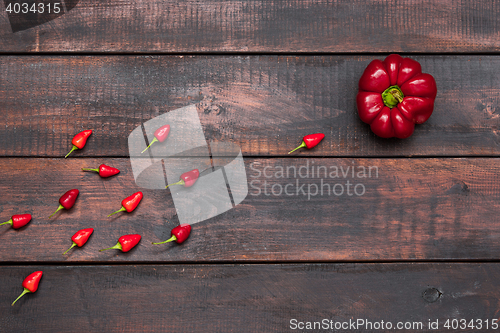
(171, 239)
(118, 246)
(180, 182)
(154, 140)
(123, 209)
(392, 96)
(72, 150)
(58, 209)
(25, 291)
(72, 246)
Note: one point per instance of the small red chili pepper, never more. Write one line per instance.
(79, 141)
(187, 178)
(179, 234)
(67, 200)
(310, 141)
(160, 135)
(104, 170)
(18, 221)
(30, 284)
(125, 243)
(129, 203)
(80, 238)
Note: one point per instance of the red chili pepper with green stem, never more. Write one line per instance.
(179, 234)
(125, 243)
(187, 178)
(80, 238)
(104, 170)
(310, 141)
(130, 203)
(67, 200)
(30, 284)
(79, 141)
(18, 221)
(160, 134)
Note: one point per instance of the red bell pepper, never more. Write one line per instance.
(394, 95)
(179, 234)
(79, 141)
(30, 284)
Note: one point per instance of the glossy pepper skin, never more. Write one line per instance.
(130, 203)
(394, 95)
(179, 234)
(104, 170)
(30, 284)
(18, 221)
(310, 141)
(125, 243)
(187, 178)
(80, 238)
(79, 141)
(160, 134)
(67, 200)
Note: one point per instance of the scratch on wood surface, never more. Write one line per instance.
(37, 39)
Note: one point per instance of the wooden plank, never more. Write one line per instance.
(262, 26)
(248, 298)
(413, 209)
(264, 104)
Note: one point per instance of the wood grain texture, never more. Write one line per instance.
(264, 104)
(244, 298)
(413, 209)
(264, 26)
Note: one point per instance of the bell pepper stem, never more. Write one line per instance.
(72, 150)
(180, 182)
(118, 246)
(120, 210)
(392, 96)
(171, 239)
(154, 140)
(72, 246)
(8, 222)
(25, 291)
(87, 169)
(302, 145)
(58, 209)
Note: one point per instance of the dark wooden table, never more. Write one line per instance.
(420, 244)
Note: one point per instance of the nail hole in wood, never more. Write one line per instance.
(431, 295)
